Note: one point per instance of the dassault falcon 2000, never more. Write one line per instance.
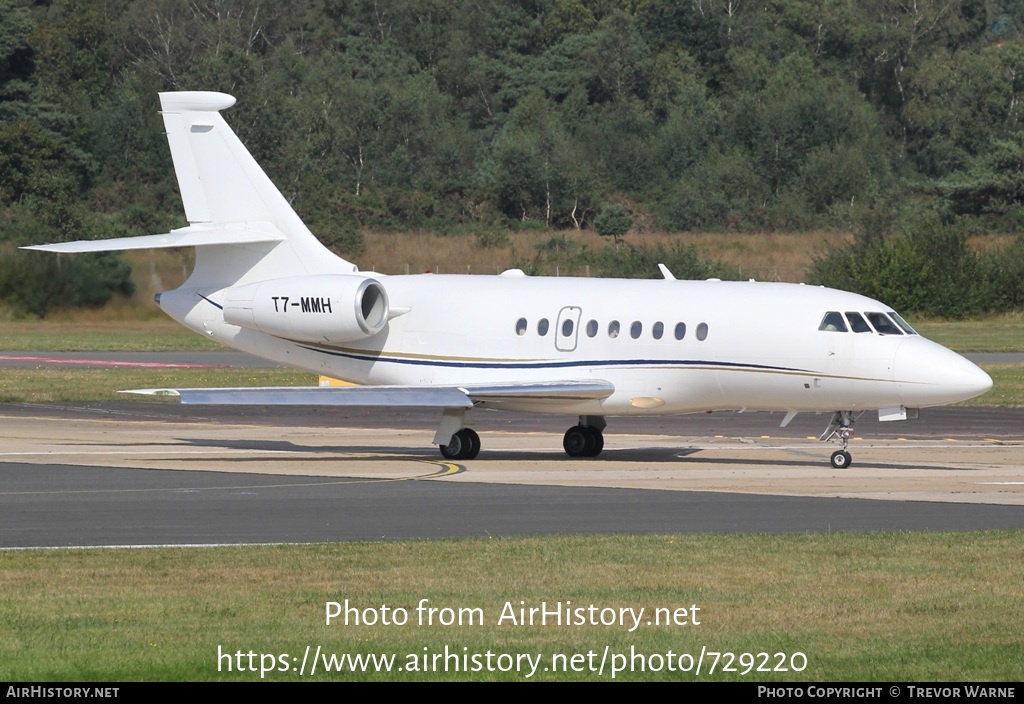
(590, 348)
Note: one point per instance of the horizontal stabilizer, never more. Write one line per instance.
(183, 237)
(394, 396)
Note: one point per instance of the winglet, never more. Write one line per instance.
(665, 272)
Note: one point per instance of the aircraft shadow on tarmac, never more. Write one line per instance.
(682, 457)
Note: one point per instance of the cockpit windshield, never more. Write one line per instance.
(883, 323)
(833, 322)
(902, 323)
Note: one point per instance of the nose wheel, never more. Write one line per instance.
(841, 459)
(839, 430)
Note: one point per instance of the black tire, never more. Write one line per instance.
(841, 459)
(453, 449)
(583, 441)
(577, 441)
(464, 445)
(474, 443)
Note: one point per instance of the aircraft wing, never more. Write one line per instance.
(467, 396)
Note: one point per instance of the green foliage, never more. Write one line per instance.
(613, 221)
(1005, 272)
(35, 283)
(502, 115)
(631, 262)
(928, 269)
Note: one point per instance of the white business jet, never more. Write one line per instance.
(591, 348)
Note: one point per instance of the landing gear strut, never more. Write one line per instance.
(585, 439)
(464, 445)
(838, 430)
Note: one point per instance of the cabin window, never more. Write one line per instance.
(591, 328)
(857, 322)
(702, 331)
(636, 329)
(680, 331)
(567, 326)
(902, 323)
(613, 329)
(658, 330)
(521, 326)
(833, 322)
(883, 324)
(542, 327)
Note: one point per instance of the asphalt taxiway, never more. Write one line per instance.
(160, 473)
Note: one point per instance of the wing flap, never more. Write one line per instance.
(554, 391)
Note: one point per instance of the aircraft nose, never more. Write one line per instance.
(928, 374)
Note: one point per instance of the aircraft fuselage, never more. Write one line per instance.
(666, 346)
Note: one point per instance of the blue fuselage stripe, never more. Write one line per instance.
(590, 363)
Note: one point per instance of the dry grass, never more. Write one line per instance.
(767, 256)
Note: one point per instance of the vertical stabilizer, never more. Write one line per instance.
(241, 226)
(219, 180)
(222, 187)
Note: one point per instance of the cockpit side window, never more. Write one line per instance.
(857, 322)
(902, 323)
(833, 322)
(883, 324)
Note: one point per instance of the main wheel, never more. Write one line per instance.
(453, 450)
(577, 441)
(841, 459)
(583, 441)
(474, 443)
(464, 445)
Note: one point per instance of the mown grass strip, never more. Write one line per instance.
(1007, 387)
(76, 385)
(157, 335)
(998, 334)
(884, 606)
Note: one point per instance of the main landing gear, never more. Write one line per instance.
(585, 439)
(582, 440)
(838, 430)
(464, 445)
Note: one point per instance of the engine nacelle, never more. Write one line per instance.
(328, 308)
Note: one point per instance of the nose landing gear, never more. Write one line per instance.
(839, 430)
